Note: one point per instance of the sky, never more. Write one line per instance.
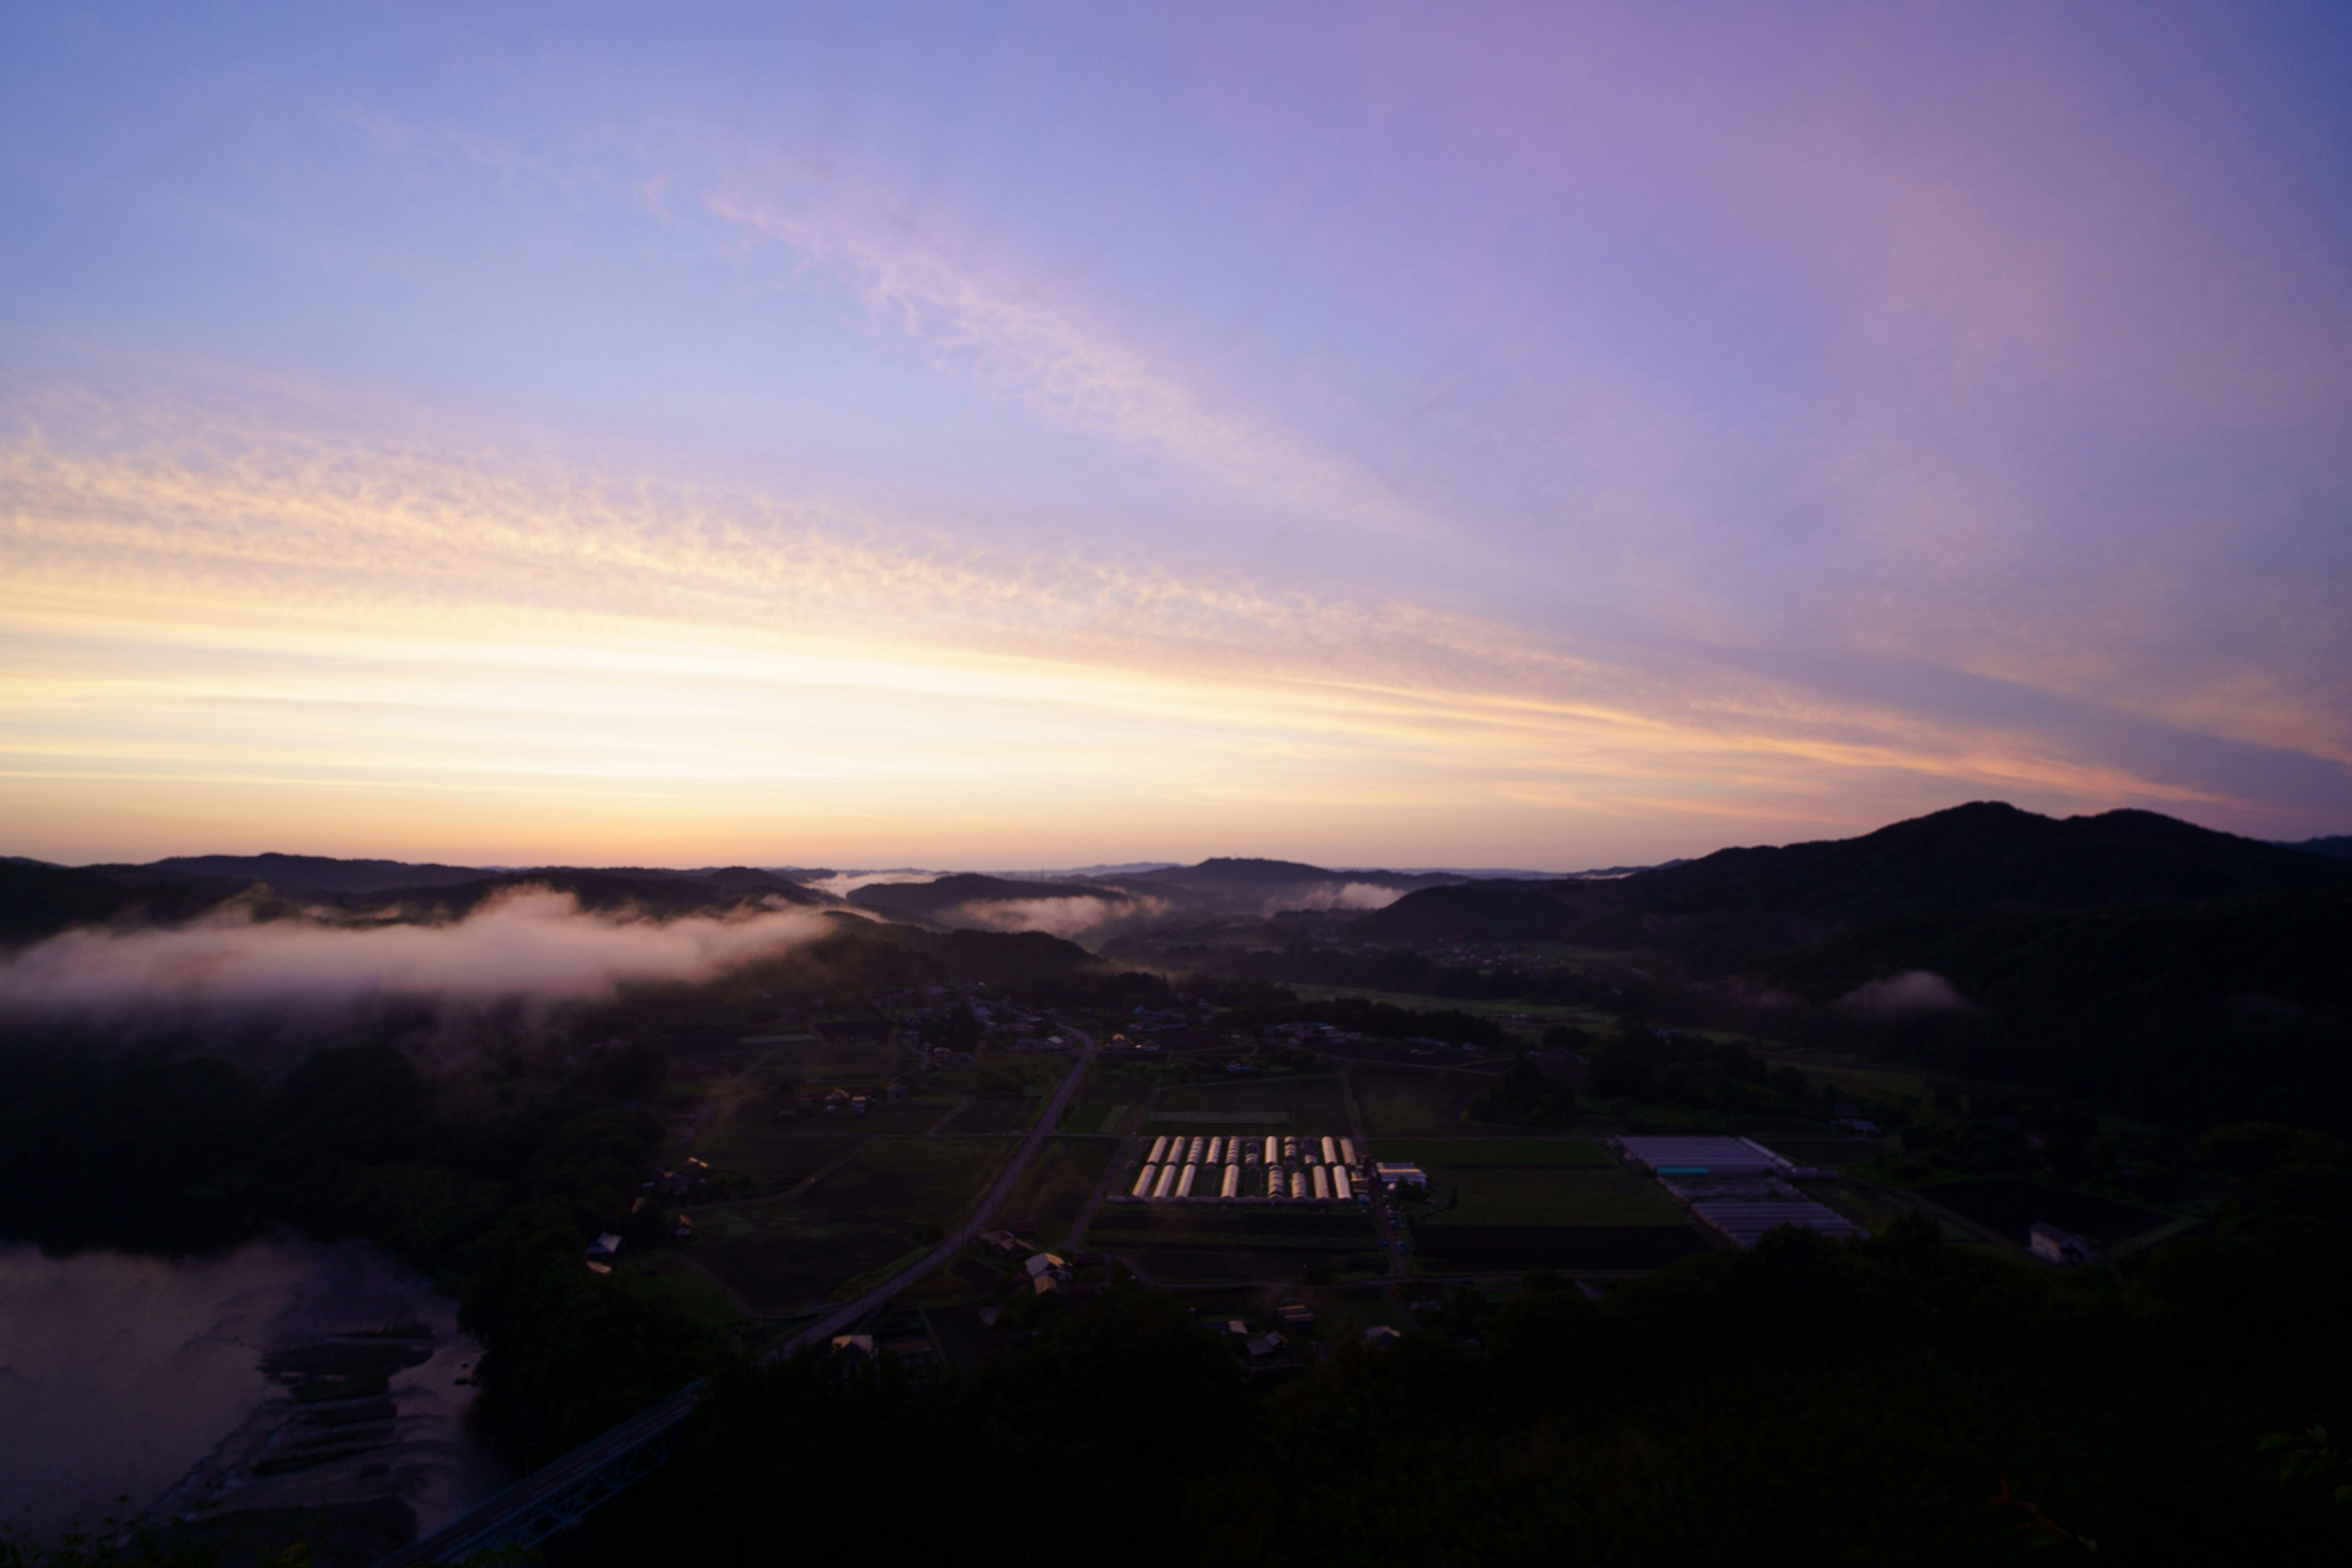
(1549, 435)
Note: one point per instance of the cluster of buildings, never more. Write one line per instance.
(839, 1101)
(1252, 1169)
(1049, 1274)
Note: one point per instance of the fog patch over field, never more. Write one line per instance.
(1338, 896)
(841, 884)
(532, 942)
(1073, 918)
(1915, 991)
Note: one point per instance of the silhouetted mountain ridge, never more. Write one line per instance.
(1983, 856)
(929, 900)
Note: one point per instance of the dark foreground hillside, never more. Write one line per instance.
(1809, 1402)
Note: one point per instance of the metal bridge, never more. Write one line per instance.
(558, 1495)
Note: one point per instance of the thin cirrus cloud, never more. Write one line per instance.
(215, 612)
(1024, 340)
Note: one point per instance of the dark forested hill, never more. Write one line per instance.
(1735, 904)
(1472, 912)
(931, 899)
(1255, 878)
(38, 901)
(317, 873)
(1984, 855)
(2198, 1011)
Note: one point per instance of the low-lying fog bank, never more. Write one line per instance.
(528, 942)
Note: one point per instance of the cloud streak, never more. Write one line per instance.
(571, 651)
(1024, 337)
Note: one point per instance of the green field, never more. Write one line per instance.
(1056, 1187)
(918, 1180)
(1423, 1104)
(995, 1114)
(1434, 1152)
(1182, 1245)
(781, 1256)
(1549, 1011)
(1315, 1105)
(1538, 1196)
(881, 1208)
(776, 1158)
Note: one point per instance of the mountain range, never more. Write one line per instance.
(1717, 911)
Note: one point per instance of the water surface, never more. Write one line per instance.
(132, 1386)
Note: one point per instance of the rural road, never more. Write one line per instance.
(960, 1238)
(553, 1494)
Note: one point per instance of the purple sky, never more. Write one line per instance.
(1035, 435)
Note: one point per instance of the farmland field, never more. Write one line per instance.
(1056, 1187)
(996, 1115)
(1537, 1196)
(758, 1148)
(917, 1180)
(785, 1254)
(1492, 1152)
(1474, 1248)
(1266, 1224)
(1313, 1104)
(1424, 1104)
(781, 1256)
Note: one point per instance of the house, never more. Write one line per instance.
(606, 1245)
(857, 1344)
(1040, 1262)
(1265, 1346)
(1002, 1241)
(1295, 1316)
(684, 1230)
(1380, 1335)
(1392, 1175)
(1233, 1326)
(2059, 1246)
(1050, 1281)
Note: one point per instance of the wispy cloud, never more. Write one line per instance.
(233, 610)
(1028, 338)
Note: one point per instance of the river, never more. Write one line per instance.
(284, 1375)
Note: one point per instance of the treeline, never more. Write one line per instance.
(1261, 1005)
(1641, 1064)
(1402, 969)
(1892, 1400)
(2188, 1014)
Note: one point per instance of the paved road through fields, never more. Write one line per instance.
(499, 1520)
